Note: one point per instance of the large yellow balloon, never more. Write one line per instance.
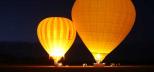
(103, 24)
(56, 35)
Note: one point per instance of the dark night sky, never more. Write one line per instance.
(19, 19)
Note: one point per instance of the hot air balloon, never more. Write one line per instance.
(103, 24)
(56, 35)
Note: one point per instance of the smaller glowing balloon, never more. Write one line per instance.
(56, 35)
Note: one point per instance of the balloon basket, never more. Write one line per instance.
(58, 64)
(99, 64)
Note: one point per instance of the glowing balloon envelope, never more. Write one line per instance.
(103, 24)
(56, 35)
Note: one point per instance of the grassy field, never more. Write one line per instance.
(14, 68)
